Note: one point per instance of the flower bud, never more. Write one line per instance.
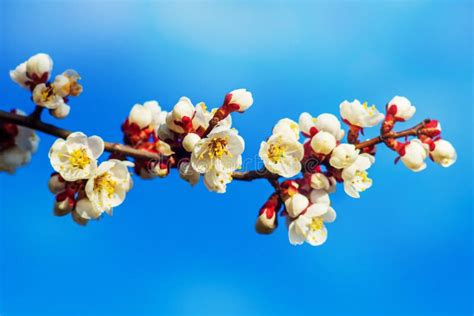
(413, 155)
(319, 181)
(13, 158)
(307, 124)
(56, 184)
(296, 204)
(401, 108)
(86, 210)
(78, 219)
(63, 205)
(239, 99)
(444, 153)
(323, 143)
(61, 85)
(266, 220)
(343, 156)
(164, 148)
(38, 68)
(140, 115)
(61, 111)
(287, 127)
(329, 123)
(184, 108)
(189, 141)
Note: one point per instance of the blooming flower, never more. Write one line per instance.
(343, 156)
(220, 150)
(13, 158)
(66, 84)
(443, 153)
(239, 100)
(282, 154)
(76, 157)
(287, 127)
(106, 188)
(401, 108)
(310, 226)
(329, 123)
(323, 143)
(355, 176)
(360, 115)
(413, 155)
(43, 95)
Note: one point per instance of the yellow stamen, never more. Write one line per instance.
(218, 148)
(79, 158)
(316, 223)
(105, 183)
(276, 152)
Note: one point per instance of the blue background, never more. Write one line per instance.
(404, 248)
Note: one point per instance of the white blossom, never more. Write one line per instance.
(39, 67)
(343, 156)
(44, 96)
(307, 124)
(140, 115)
(76, 157)
(310, 226)
(355, 176)
(414, 155)
(360, 115)
(220, 150)
(287, 127)
(295, 204)
(404, 109)
(106, 188)
(282, 154)
(12, 158)
(329, 123)
(241, 99)
(323, 143)
(444, 153)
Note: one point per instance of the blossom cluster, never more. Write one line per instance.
(310, 154)
(82, 186)
(323, 161)
(195, 140)
(34, 75)
(17, 144)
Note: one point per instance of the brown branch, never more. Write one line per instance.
(414, 131)
(35, 123)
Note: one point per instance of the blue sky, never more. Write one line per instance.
(404, 248)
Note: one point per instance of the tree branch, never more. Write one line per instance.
(34, 122)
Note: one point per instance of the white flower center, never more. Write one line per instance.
(371, 110)
(361, 181)
(316, 223)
